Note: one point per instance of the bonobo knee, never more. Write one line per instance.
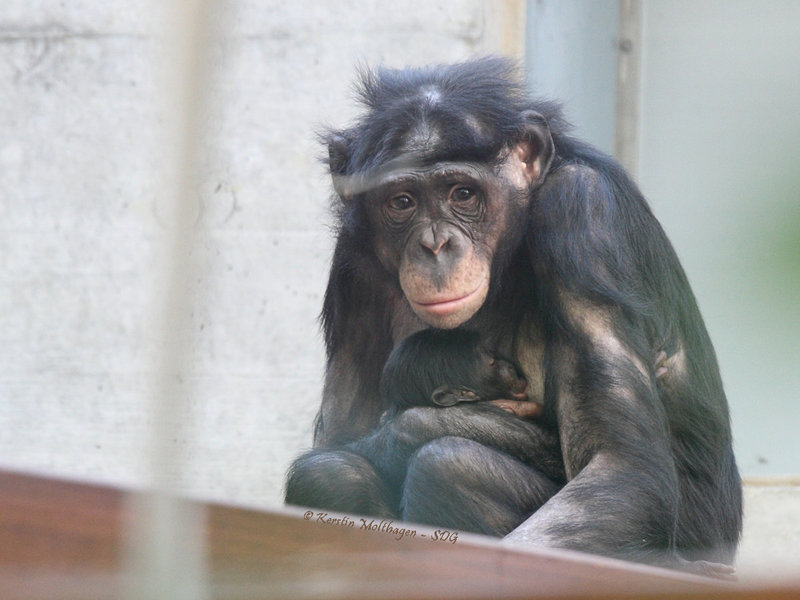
(414, 424)
(444, 457)
(338, 480)
(441, 486)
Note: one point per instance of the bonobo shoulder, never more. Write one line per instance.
(575, 173)
(415, 420)
(573, 195)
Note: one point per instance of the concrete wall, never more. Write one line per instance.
(81, 212)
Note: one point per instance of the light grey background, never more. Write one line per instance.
(81, 212)
(80, 198)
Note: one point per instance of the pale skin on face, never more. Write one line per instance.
(451, 303)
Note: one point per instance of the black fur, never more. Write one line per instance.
(435, 365)
(367, 476)
(585, 278)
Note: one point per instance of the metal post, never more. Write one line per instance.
(626, 138)
(165, 538)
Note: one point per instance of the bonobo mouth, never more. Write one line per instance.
(519, 390)
(444, 309)
(446, 306)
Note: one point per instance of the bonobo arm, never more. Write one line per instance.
(392, 444)
(357, 342)
(622, 496)
(593, 246)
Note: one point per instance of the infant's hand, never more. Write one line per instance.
(524, 409)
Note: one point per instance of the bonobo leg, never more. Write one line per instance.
(461, 484)
(341, 481)
(367, 476)
(391, 446)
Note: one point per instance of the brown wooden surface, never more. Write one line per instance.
(64, 540)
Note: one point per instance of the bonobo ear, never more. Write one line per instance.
(338, 157)
(534, 151)
(448, 395)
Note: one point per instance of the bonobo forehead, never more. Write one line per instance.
(443, 137)
(412, 169)
(431, 140)
(408, 173)
(459, 112)
(422, 139)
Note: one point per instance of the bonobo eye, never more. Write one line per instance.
(465, 201)
(400, 203)
(463, 194)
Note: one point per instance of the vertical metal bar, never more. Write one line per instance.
(166, 558)
(626, 139)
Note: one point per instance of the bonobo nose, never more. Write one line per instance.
(434, 241)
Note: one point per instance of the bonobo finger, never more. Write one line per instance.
(520, 408)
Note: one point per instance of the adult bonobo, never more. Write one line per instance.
(462, 202)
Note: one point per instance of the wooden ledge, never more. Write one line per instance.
(61, 539)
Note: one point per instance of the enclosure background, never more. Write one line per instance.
(80, 209)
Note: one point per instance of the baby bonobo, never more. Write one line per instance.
(444, 367)
(430, 370)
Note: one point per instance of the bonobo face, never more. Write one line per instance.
(443, 178)
(439, 228)
(489, 378)
(502, 379)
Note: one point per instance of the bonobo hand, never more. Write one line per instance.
(524, 409)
